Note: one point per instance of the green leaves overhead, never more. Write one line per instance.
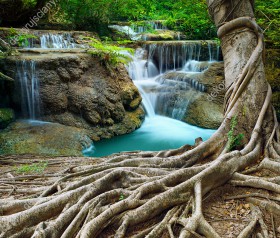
(268, 16)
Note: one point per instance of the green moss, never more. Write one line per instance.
(233, 139)
(166, 36)
(45, 139)
(136, 117)
(6, 117)
(135, 103)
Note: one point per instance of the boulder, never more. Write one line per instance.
(204, 113)
(163, 35)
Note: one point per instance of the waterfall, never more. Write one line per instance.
(165, 75)
(29, 84)
(172, 55)
(57, 41)
(127, 30)
(143, 27)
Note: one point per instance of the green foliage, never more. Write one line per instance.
(188, 16)
(33, 168)
(234, 140)
(29, 3)
(121, 197)
(109, 54)
(21, 39)
(268, 17)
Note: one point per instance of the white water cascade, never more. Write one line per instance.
(163, 74)
(145, 26)
(165, 97)
(29, 84)
(57, 41)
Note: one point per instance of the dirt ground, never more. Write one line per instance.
(226, 208)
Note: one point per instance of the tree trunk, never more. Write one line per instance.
(165, 190)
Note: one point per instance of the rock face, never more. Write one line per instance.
(52, 139)
(206, 110)
(76, 90)
(6, 117)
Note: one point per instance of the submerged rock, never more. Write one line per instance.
(6, 117)
(35, 137)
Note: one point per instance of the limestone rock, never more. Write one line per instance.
(31, 137)
(76, 90)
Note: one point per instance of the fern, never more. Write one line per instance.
(110, 54)
(234, 140)
(21, 39)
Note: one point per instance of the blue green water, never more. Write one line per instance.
(156, 133)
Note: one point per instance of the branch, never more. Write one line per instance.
(5, 78)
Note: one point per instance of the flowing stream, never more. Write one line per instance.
(162, 72)
(159, 84)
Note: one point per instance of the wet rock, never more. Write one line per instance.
(76, 90)
(195, 98)
(204, 113)
(33, 137)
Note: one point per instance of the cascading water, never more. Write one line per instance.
(57, 41)
(29, 84)
(174, 55)
(128, 31)
(147, 25)
(162, 72)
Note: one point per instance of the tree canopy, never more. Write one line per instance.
(188, 16)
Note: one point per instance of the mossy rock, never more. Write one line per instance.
(42, 138)
(6, 117)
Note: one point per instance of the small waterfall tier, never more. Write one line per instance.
(29, 85)
(144, 26)
(147, 30)
(57, 41)
(181, 80)
(166, 74)
(50, 40)
(172, 55)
